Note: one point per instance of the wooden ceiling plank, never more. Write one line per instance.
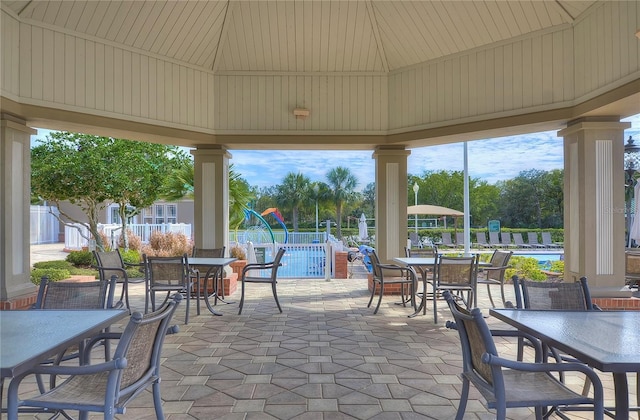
(161, 21)
(97, 13)
(118, 20)
(187, 23)
(129, 22)
(143, 24)
(376, 34)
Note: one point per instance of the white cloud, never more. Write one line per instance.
(491, 160)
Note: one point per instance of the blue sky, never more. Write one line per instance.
(491, 160)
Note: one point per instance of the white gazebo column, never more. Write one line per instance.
(16, 289)
(594, 201)
(211, 197)
(391, 202)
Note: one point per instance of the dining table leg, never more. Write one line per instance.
(621, 395)
(423, 302)
(206, 294)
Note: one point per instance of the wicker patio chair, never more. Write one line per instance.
(387, 274)
(110, 263)
(108, 387)
(494, 275)
(170, 274)
(505, 383)
(455, 274)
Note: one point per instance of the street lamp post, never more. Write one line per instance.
(416, 187)
(315, 191)
(631, 166)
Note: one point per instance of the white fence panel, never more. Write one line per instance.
(44, 225)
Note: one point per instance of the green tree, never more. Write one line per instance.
(180, 185)
(533, 199)
(92, 172)
(292, 193)
(342, 183)
(240, 196)
(446, 189)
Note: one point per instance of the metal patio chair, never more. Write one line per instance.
(97, 294)
(455, 274)
(108, 387)
(506, 383)
(392, 274)
(494, 275)
(272, 279)
(110, 263)
(170, 274)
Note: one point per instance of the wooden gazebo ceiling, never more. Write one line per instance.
(302, 36)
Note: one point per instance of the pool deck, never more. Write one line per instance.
(325, 357)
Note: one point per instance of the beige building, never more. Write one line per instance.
(385, 76)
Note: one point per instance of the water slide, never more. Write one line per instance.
(276, 215)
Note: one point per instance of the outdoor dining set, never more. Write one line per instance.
(557, 319)
(554, 329)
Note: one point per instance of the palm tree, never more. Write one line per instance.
(180, 186)
(343, 184)
(292, 194)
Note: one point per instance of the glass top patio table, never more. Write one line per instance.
(29, 337)
(425, 261)
(211, 263)
(606, 340)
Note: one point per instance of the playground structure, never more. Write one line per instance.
(257, 235)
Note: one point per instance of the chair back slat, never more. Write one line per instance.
(500, 258)
(109, 259)
(558, 295)
(206, 270)
(75, 295)
(456, 270)
(425, 252)
(167, 271)
(475, 338)
(141, 346)
(208, 252)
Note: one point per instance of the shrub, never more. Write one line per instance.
(525, 267)
(106, 241)
(131, 256)
(238, 252)
(135, 242)
(57, 264)
(54, 274)
(168, 244)
(557, 266)
(80, 258)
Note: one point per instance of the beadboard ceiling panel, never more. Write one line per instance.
(326, 36)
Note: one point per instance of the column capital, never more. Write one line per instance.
(391, 151)
(212, 151)
(593, 124)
